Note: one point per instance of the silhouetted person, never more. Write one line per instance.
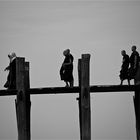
(66, 71)
(11, 78)
(134, 63)
(137, 78)
(124, 68)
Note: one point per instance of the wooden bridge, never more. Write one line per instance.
(23, 92)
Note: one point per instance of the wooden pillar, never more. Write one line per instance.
(23, 99)
(28, 102)
(84, 98)
(79, 98)
(137, 104)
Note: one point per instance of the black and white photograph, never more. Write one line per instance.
(69, 70)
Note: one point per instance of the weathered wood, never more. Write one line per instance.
(28, 102)
(20, 110)
(137, 113)
(113, 88)
(53, 90)
(27, 79)
(22, 101)
(8, 92)
(137, 104)
(23, 92)
(79, 98)
(85, 112)
(76, 89)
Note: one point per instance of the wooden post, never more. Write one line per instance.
(79, 98)
(84, 98)
(28, 102)
(23, 99)
(137, 104)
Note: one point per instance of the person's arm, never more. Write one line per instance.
(65, 64)
(7, 68)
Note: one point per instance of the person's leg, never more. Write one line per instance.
(67, 84)
(128, 81)
(62, 73)
(71, 83)
(7, 84)
(121, 82)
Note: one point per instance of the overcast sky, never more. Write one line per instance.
(40, 31)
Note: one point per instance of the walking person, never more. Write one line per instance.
(124, 68)
(66, 71)
(137, 77)
(11, 78)
(134, 63)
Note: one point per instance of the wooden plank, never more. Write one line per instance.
(27, 75)
(62, 90)
(137, 104)
(93, 89)
(85, 98)
(53, 90)
(79, 98)
(113, 88)
(28, 102)
(8, 92)
(137, 112)
(21, 101)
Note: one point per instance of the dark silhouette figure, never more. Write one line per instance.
(66, 71)
(137, 77)
(11, 78)
(134, 63)
(124, 73)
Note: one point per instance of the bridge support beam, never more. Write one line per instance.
(84, 97)
(22, 101)
(137, 104)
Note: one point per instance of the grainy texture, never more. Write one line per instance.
(23, 100)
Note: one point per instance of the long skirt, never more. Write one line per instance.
(124, 74)
(66, 74)
(132, 73)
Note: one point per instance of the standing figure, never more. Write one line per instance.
(11, 78)
(66, 71)
(137, 77)
(124, 68)
(134, 63)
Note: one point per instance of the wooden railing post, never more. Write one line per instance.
(137, 104)
(28, 102)
(79, 98)
(84, 98)
(23, 99)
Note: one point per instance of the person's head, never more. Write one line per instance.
(123, 52)
(66, 52)
(133, 48)
(12, 55)
(9, 56)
